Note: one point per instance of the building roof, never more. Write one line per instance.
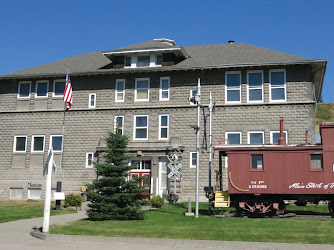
(228, 55)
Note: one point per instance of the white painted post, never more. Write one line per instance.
(151, 191)
(157, 186)
(47, 201)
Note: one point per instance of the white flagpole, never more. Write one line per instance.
(47, 201)
(198, 100)
(63, 134)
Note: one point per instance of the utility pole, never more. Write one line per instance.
(210, 146)
(198, 101)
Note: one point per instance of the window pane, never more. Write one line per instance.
(16, 193)
(42, 88)
(159, 60)
(164, 120)
(316, 161)
(142, 94)
(38, 144)
(142, 84)
(277, 94)
(141, 133)
(277, 79)
(234, 138)
(255, 94)
(92, 100)
(59, 88)
(255, 79)
(143, 61)
(146, 164)
(256, 138)
(233, 80)
(34, 193)
(56, 143)
(193, 159)
(257, 162)
(24, 90)
(233, 95)
(164, 94)
(127, 61)
(276, 136)
(164, 133)
(20, 144)
(164, 84)
(120, 86)
(141, 121)
(89, 159)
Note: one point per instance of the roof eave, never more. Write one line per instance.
(169, 68)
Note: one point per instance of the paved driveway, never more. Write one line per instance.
(16, 235)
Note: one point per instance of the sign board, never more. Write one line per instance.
(59, 196)
(174, 170)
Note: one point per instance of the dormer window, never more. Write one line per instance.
(127, 61)
(143, 61)
(159, 60)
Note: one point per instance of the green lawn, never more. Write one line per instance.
(18, 210)
(169, 222)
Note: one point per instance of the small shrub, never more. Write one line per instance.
(73, 200)
(157, 201)
(172, 199)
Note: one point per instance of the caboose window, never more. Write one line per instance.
(316, 161)
(257, 161)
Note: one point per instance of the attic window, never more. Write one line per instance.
(159, 60)
(143, 61)
(127, 61)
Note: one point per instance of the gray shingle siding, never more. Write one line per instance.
(86, 128)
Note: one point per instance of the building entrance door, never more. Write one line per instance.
(142, 170)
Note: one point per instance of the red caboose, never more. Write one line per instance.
(261, 177)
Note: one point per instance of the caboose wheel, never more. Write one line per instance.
(281, 208)
(331, 208)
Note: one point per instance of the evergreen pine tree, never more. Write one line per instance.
(112, 196)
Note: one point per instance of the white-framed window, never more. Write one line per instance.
(193, 159)
(233, 87)
(24, 90)
(20, 143)
(92, 100)
(142, 91)
(277, 80)
(37, 143)
(233, 137)
(58, 88)
(164, 88)
(42, 89)
(255, 137)
(120, 90)
(15, 193)
(193, 93)
(56, 142)
(89, 159)
(255, 86)
(34, 193)
(140, 127)
(163, 127)
(119, 124)
(274, 135)
(143, 61)
(127, 61)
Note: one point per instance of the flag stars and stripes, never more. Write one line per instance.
(68, 92)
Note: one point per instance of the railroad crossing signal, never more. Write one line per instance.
(174, 171)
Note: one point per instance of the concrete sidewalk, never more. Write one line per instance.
(16, 235)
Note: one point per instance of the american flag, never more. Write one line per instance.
(68, 92)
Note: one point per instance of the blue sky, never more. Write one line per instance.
(37, 32)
